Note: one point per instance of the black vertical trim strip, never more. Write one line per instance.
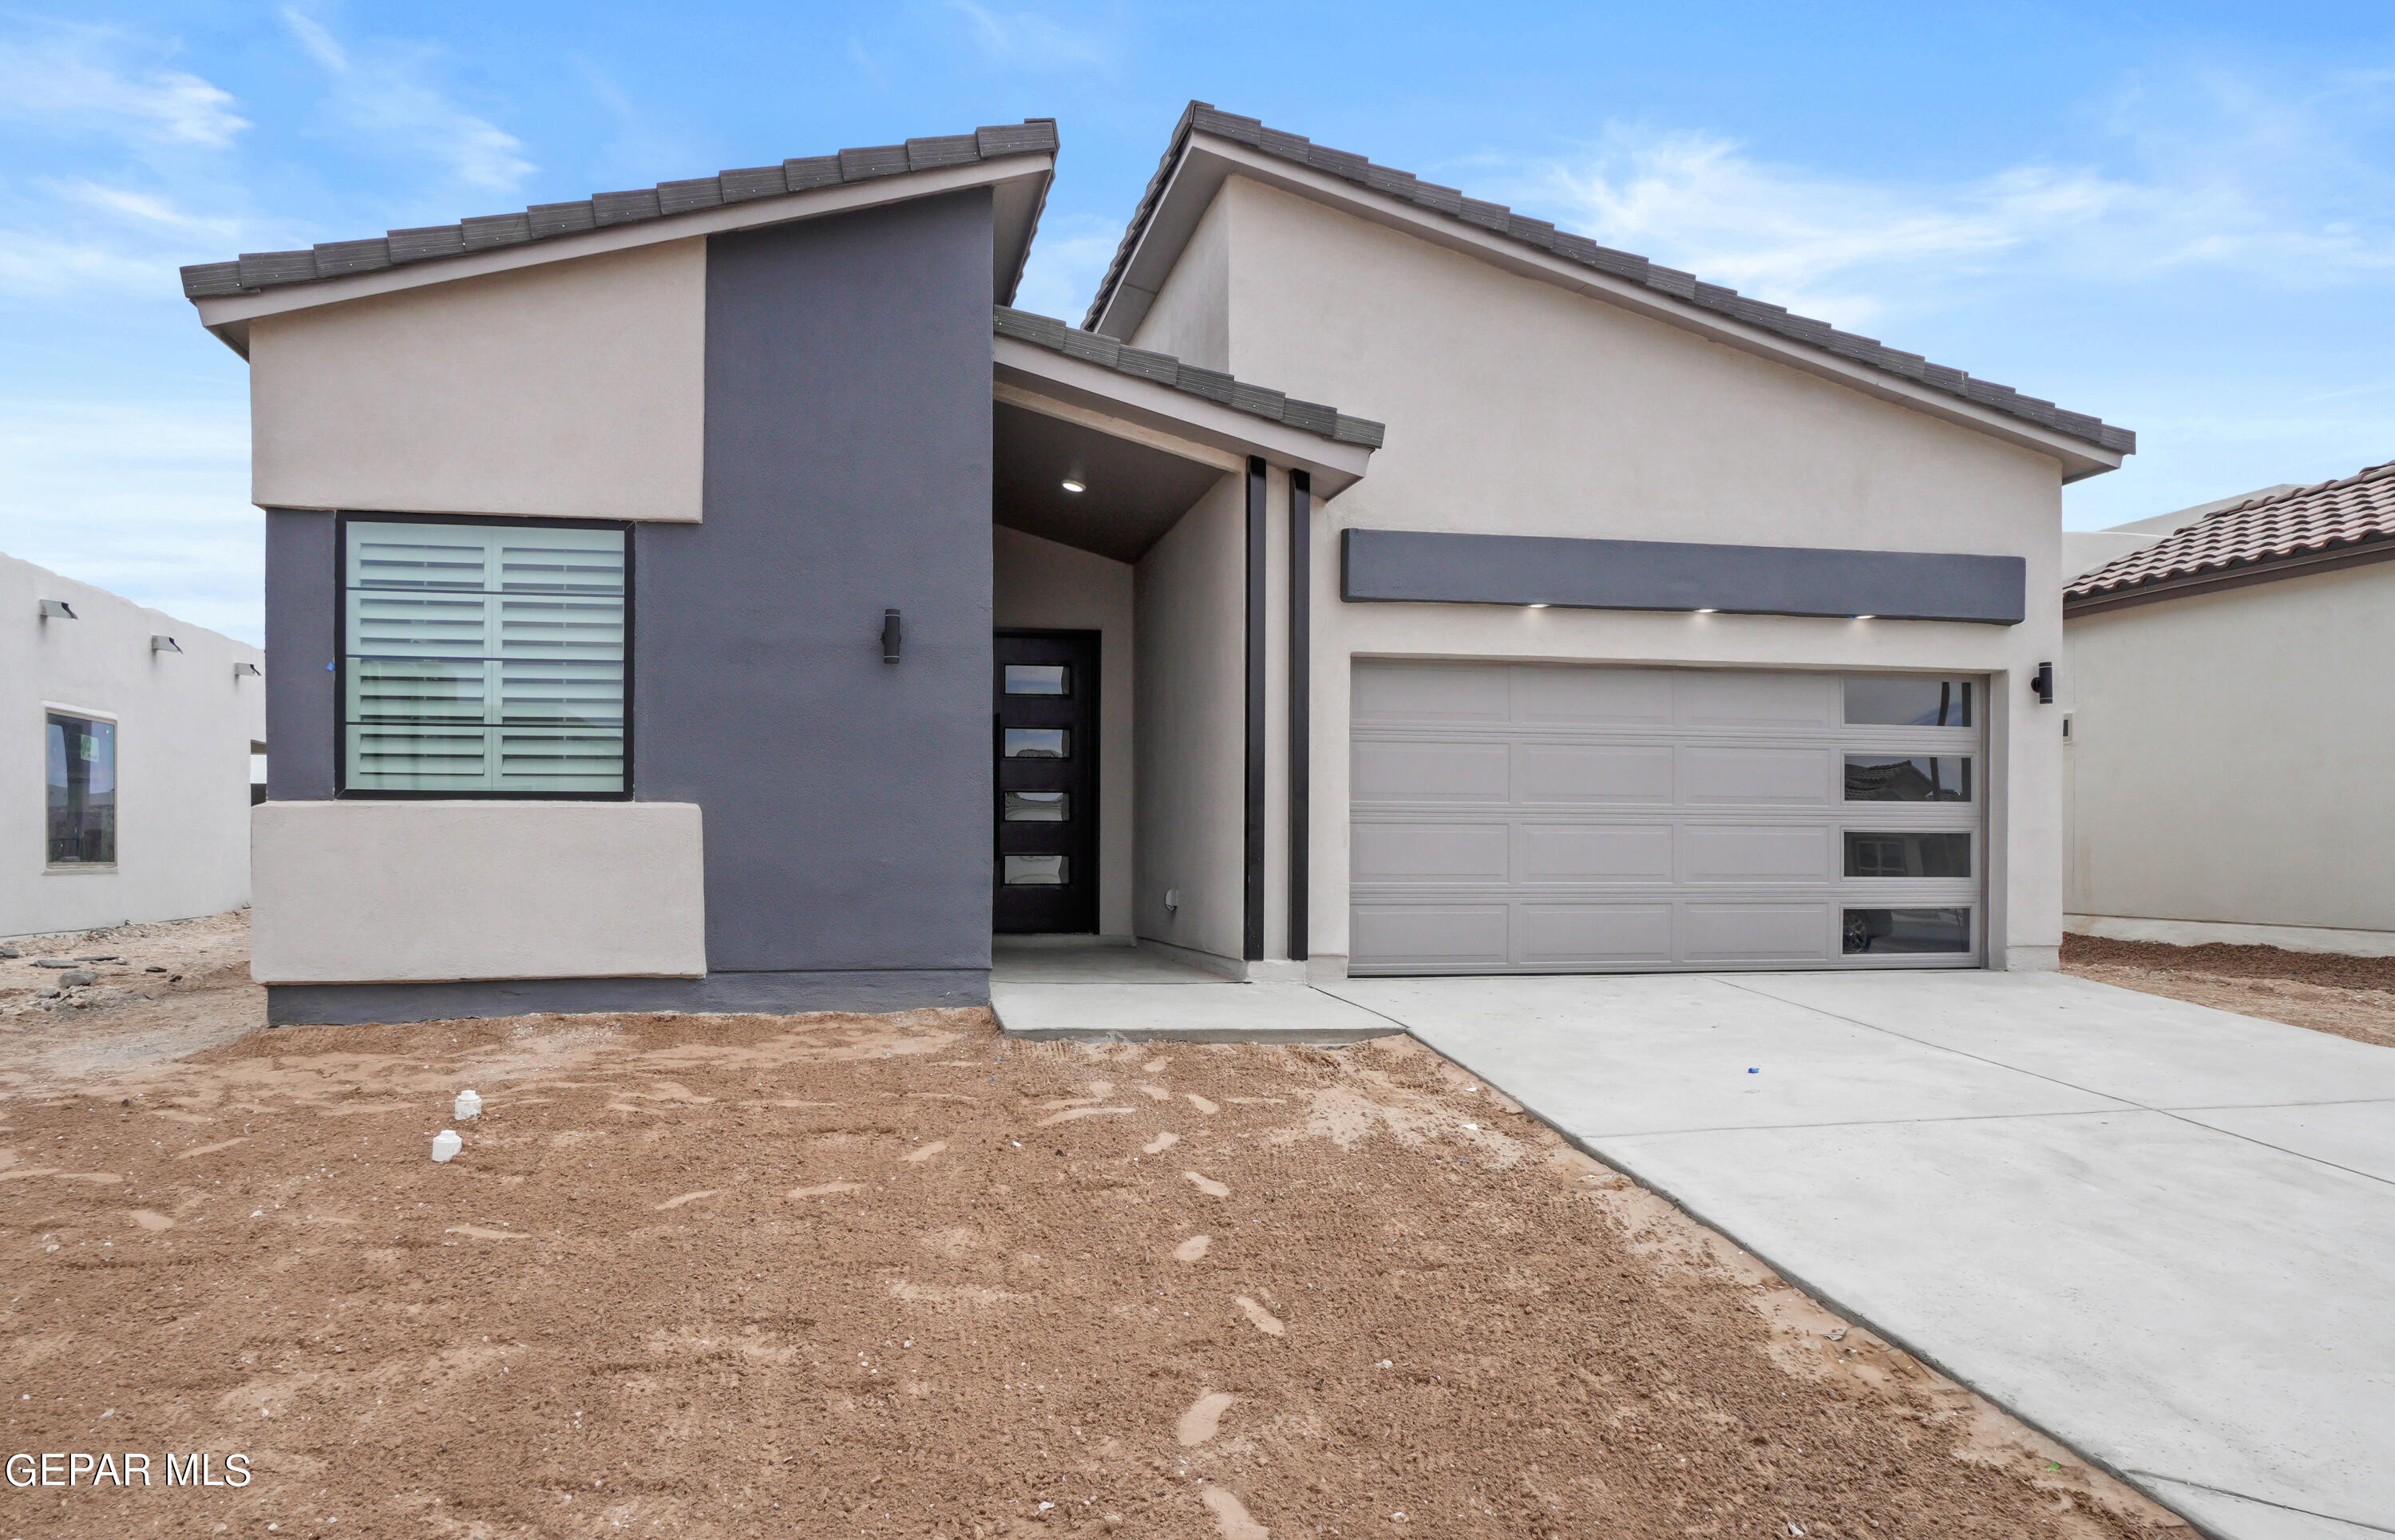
(1301, 693)
(1251, 903)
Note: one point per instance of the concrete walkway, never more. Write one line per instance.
(2164, 1233)
(1091, 992)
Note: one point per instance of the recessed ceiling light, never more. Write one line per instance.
(1866, 616)
(1075, 486)
(1708, 612)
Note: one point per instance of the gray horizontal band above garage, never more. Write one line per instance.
(1414, 567)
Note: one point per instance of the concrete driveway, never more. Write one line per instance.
(2164, 1233)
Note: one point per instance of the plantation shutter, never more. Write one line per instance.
(483, 659)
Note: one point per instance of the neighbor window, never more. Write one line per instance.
(82, 756)
(483, 660)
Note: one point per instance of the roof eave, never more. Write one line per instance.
(2243, 572)
(1020, 183)
(1199, 162)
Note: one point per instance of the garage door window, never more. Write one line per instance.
(1901, 702)
(1908, 778)
(1876, 853)
(1901, 932)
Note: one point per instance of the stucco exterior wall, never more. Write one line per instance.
(1191, 317)
(571, 390)
(1191, 693)
(2229, 758)
(1040, 584)
(184, 724)
(432, 891)
(1516, 406)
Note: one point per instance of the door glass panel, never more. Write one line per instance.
(1900, 932)
(1037, 806)
(1038, 742)
(1907, 854)
(1895, 701)
(1908, 778)
(1038, 870)
(1039, 678)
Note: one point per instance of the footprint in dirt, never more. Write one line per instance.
(1201, 1104)
(688, 1198)
(1262, 1320)
(1161, 1143)
(1203, 1419)
(826, 1188)
(1232, 1516)
(1207, 1185)
(1191, 1249)
(917, 1156)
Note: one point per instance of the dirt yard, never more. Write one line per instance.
(2352, 997)
(897, 1276)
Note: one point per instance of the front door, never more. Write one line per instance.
(1047, 814)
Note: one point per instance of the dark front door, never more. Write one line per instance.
(1046, 813)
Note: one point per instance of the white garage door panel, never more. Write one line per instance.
(1433, 853)
(1457, 938)
(1594, 772)
(1549, 851)
(1539, 818)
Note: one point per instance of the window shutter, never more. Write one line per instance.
(485, 659)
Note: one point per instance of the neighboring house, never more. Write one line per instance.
(2085, 549)
(2230, 729)
(125, 761)
(701, 598)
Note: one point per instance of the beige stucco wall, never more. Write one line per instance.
(426, 891)
(1039, 583)
(1513, 405)
(1191, 692)
(2230, 753)
(184, 724)
(1190, 318)
(571, 390)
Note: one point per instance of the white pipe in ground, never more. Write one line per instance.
(446, 1144)
(470, 1105)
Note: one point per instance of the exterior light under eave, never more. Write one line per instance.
(1075, 486)
(1534, 606)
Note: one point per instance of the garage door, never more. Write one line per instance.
(1537, 818)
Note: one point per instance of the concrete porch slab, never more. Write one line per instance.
(1214, 1010)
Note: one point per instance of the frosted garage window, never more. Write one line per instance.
(81, 754)
(483, 660)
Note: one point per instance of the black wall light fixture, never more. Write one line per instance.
(2044, 684)
(891, 636)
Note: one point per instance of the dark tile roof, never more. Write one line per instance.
(1202, 118)
(257, 270)
(1055, 336)
(2304, 522)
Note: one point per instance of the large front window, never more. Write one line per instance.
(82, 754)
(483, 659)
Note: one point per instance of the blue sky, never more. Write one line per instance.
(2179, 217)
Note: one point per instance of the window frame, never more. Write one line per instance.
(342, 790)
(115, 770)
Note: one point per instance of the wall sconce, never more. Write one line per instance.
(2044, 684)
(247, 671)
(163, 643)
(56, 609)
(891, 636)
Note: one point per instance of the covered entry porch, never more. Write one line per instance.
(1150, 675)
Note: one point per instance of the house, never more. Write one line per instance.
(124, 766)
(2228, 729)
(715, 597)
(2085, 549)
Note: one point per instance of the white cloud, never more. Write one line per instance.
(146, 209)
(2211, 173)
(382, 96)
(1024, 38)
(1067, 260)
(40, 265)
(55, 82)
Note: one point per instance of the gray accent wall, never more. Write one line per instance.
(847, 471)
(302, 588)
(1411, 565)
(732, 993)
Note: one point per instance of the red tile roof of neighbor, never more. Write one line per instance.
(2355, 510)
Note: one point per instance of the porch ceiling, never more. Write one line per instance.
(1132, 492)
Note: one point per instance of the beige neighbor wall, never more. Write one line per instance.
(1042, 584)
(571, 390)
(1191, 316)
(184, 724)
(2230, 762)
(1516, 406)
(426, 891)
(1191, 691)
